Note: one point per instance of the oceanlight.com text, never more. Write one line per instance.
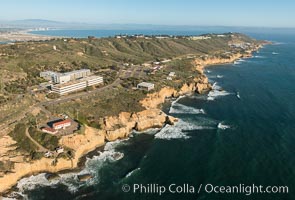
(246, 189)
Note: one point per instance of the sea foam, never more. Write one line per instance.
(239, 61)
(179, 130)
(178, 108)
(223, 126)
(216, 92)
(70, 180)
(132, 172)
(257, 56)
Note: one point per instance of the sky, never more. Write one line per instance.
(257, 13)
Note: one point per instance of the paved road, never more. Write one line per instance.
(10, 120)
(62, 99)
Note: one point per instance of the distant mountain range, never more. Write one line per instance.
(37, 23)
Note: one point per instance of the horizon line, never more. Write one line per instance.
(142, 24)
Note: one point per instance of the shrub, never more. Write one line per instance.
(23, 142)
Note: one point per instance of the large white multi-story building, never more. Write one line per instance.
(94, 80)
(61, 78)
(65, 77)
(77, 74)
(48, 75)
(71, 81)
(77, 85)
(69, 87)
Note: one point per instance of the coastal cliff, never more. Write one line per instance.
(83, 144)
(204, 61)
(121, 126)
(116, 127)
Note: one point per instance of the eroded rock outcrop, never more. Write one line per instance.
(81, 143)
(121, 126)
(154, 100)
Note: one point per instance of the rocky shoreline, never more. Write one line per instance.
(118, 127)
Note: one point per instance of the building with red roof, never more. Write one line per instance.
(49, 130)
(62, 124)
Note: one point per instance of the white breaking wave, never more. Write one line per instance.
(223, 126)
(215, 86)
(210, 98)
(259, 56)
(275, 53)
(216, 92)
(174, 102)
(200, 97)
(92, 165)
(278, 43)
(179, 130)
(219, 76)
(32, 182)
(239, 61)
(178, 108)
(110, 146)
(70, 180)
(151, 131)
(132, 172)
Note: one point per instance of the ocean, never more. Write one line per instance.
(241, 133)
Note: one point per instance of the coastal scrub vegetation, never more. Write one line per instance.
(90, 110)
(24, 61)
(46, 140)
(23, 142)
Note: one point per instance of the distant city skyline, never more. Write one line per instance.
(261, 13)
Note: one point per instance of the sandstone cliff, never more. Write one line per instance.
(213, 60)
(82, 144)
(121, 126)
(154, 100)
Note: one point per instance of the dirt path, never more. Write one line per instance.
(41, 148)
